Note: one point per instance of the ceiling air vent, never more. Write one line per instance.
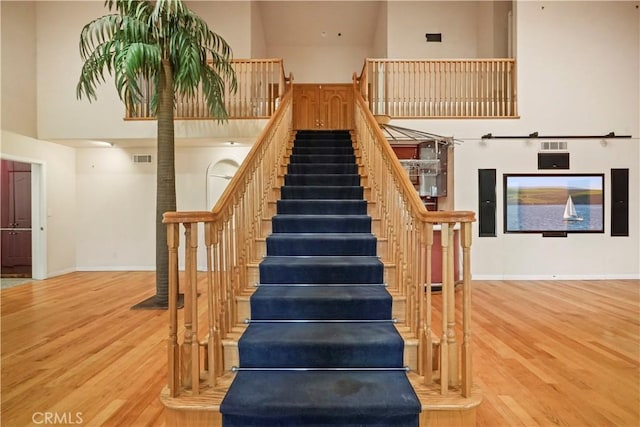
(553, 146)
(142, 158)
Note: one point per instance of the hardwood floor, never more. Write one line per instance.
(72, 346)
(557, 353)
(546, 353)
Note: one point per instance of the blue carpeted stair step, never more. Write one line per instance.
(332, 134)
(345, 399)
(322, 143)
(322, 179)
(321, 192)
(327, 139)
(321, 223)
(322, 158)
(321, 269)
(322, 207)
(318, 168)
(322, 150)
(287, 244)
(321, 348)
(321, 345)
(318, 302)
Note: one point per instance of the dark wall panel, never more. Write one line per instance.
(487, 202)
(619, 202)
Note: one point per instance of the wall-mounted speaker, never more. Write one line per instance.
(487, 202)
(619, 202)
(553, 160)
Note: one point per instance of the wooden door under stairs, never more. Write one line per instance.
(322, 106)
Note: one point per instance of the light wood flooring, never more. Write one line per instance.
(546, 353)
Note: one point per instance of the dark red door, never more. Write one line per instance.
(15, 218)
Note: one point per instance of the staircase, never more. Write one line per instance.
(321, 347)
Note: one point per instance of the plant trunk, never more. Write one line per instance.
(165, 178)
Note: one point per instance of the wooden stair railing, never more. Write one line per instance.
(441, 88)
(409, 228)
(230, 232)
(261, 85)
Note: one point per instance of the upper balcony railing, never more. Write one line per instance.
(444, 88)
(261, 84)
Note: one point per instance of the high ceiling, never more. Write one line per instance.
(319, 23)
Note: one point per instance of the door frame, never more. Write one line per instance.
(38, 214)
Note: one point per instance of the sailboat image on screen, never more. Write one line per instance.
(570, 213)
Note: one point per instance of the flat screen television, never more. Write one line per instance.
(549, 203)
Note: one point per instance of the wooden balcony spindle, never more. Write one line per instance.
(211, 307)
(466, 308)
(192, 367)
(445, 360)
(427, 350)
(188, 316)
(173, 349)
(454, 376)
(218, 295)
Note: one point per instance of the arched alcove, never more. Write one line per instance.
(219, 175)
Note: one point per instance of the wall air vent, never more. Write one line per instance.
(553, 146)
(433, 37)
(142, 158)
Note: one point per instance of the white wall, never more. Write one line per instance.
(62, 116)
(381, 33)
(258, 44)
(60, 214)
(470, 29)
(229, 19)
(578, 74)
(18, 67)
(323, 41)
(116, 202)
(526, 256)
(337, 64)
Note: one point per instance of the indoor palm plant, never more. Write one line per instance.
(165, 43)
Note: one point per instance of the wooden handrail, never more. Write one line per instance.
(409, 229)
(231, 230)
(408, 189)
(234, 225)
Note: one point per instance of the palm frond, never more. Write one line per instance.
(93, 69)
(130, 7)
(132, 42)
(97, 32)
(213, 89)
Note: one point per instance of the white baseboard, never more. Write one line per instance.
(557, 277)
(51, 274)
(118, 268)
